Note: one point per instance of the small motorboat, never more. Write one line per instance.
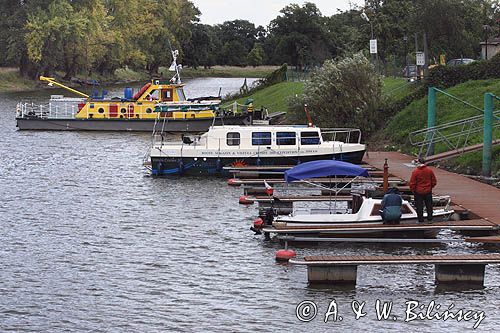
(366, 213)
(364, 210)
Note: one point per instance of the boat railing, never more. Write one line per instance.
(346, 135)
(46, 111)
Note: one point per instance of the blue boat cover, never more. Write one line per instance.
(324, 168)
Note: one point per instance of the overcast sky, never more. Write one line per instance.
(260, 12)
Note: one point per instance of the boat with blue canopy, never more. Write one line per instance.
(324, 168)
(364, 210)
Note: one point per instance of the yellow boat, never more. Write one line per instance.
(157, 101)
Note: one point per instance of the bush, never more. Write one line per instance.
(446, 76)
(346, 93)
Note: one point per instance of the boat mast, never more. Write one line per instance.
(176, 79)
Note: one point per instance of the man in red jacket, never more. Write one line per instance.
(422, 182)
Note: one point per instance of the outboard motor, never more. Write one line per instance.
(265, 219)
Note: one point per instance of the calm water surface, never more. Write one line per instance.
(91, 242)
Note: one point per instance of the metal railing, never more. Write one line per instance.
(346, 135)
(160, 141)
(58, 110)
(455, 135)
(46, 111)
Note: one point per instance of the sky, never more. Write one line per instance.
(260, 12)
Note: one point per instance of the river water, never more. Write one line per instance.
(91, 242)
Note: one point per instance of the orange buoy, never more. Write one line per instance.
(285, 255)
(258, 223)
(244, 200)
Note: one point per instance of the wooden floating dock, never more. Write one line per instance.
(238, 182)
(304, 198)
(264, 168)
(288, 238)
(479, 198)
(465, 225)
(486, 239)
(448, 268)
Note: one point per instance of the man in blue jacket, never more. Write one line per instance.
(390, 209)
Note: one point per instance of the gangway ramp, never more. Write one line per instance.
(453, 153)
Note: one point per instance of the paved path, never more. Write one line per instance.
(481, 199)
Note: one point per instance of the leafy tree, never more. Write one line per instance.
(299, 35)
(237, 38)
(197, 50)
(342, 93)
(256, 55)
(52, 33)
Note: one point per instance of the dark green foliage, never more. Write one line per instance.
(346, 93)
(445, 76)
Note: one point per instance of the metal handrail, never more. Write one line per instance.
(455, 140)
(67, 111)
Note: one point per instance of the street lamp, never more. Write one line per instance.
(486, 28)
(367, 19)
(405, 38)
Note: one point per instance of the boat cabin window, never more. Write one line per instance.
(286, 138)
(261, 138)
(180, 93)
(167, 95)
(233, 139)
(309, 138)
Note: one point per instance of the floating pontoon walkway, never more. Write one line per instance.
(452, 268)
(481, 199)
(465, 225)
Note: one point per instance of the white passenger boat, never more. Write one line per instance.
(233, 146)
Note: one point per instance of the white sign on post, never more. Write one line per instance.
(373, 46)
(420, 59)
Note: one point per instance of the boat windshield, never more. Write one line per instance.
(180, 93)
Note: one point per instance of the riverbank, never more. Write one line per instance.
(12, 81)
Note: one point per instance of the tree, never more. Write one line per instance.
(345, 93)
(299, 36)
(256, 55)
(52, 35)
(197, 50)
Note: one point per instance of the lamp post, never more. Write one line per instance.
(405, 38)
(367, 19)
(486, 28)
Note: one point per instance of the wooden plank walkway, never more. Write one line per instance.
(450, 225)
(275, 167)
(486, 239)
(305, 198)
(481, 199)
(402, 259)
(238, 182)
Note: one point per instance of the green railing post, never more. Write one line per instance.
(488, 133)
(431, 117)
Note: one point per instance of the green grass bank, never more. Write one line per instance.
(414, 117)
(275, 97)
